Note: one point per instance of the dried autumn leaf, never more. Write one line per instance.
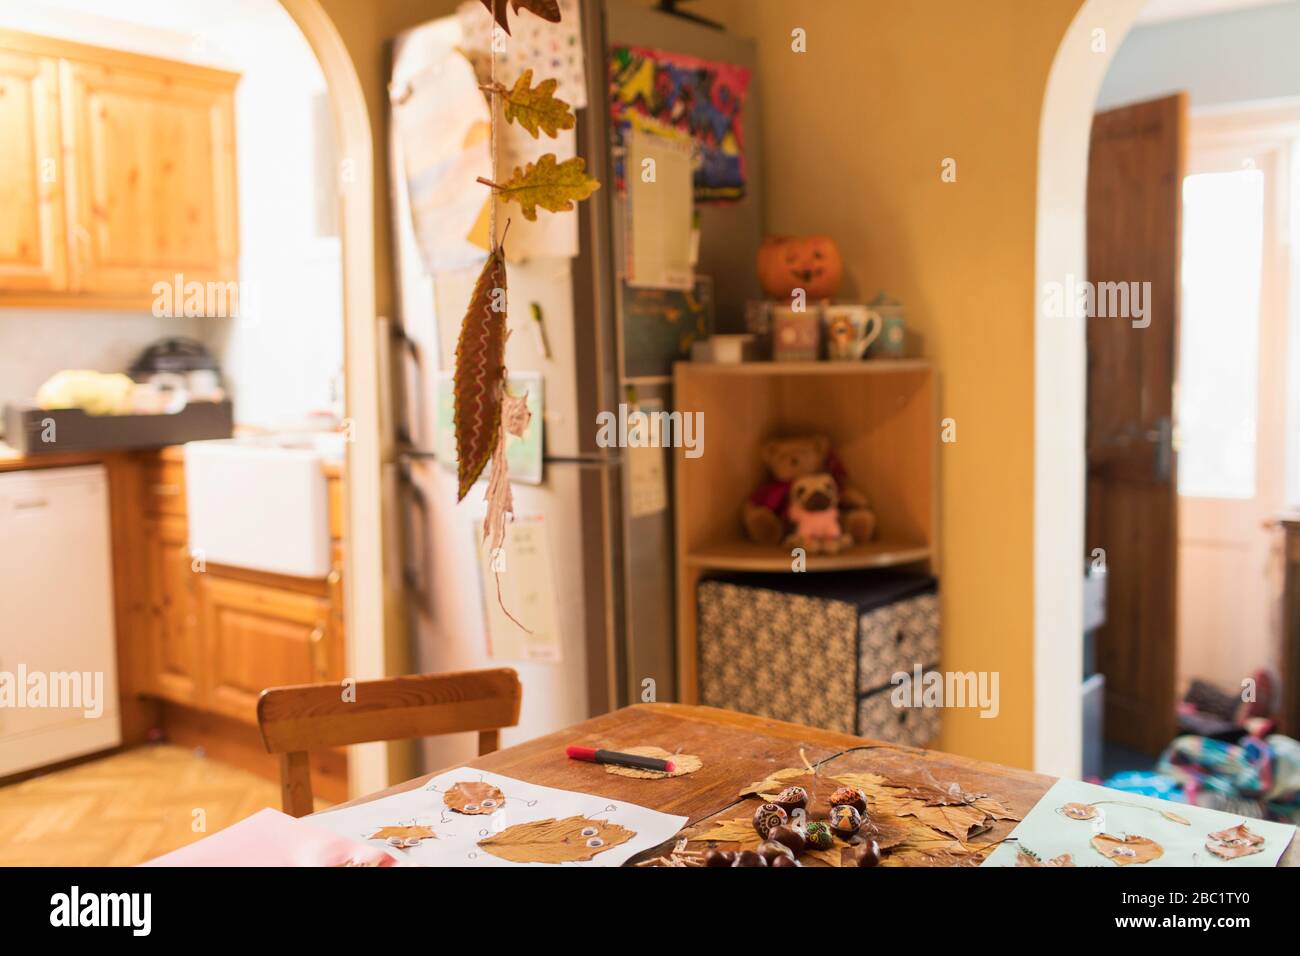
(1079, 811)
(1027, 857)
(571, 840)
(956, 821)
(548, 10)
(1175, 818)
(546, 183)
(740, 830)
(831, 856)
(773, 783)
(1130, 849)
(1234, 842)
(683, 763)
(403, 833)
(515, 417)
(474, 797)
(535, 108)
(480, 369)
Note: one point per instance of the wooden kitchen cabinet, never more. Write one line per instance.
(126, 175)
(33, 252)
(260, 636)
(177, 652)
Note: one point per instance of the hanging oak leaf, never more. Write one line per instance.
(1130, 849)
(546, 183)
(546, 9)
(571, 840)
(535, 107)
(480, 368)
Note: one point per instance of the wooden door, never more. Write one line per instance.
(154, 184)
(258, 636)
(173, 610)
(33, 254)
(1135, 177)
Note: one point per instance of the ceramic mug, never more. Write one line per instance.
(850, 330)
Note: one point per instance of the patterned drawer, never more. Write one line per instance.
(784, 656)
(879, 719)
(896, 638)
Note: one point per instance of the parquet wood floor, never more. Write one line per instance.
(125, 808)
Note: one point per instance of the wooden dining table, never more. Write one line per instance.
(736, 750)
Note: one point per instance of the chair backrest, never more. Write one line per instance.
(295, 720)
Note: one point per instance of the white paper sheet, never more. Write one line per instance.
(458, 835)
(660, 212)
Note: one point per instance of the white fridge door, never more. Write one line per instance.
(56, 617)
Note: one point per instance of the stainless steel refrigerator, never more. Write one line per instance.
(613, 575)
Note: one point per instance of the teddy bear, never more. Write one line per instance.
(814, 512)
(765, 515)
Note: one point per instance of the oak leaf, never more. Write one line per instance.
(548, 10)
(546, 183)
(959, 821)
(535, 108)
(403, 833)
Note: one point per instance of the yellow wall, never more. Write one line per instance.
(856, 130)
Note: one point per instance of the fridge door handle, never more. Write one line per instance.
(410, 424)
(415, 543)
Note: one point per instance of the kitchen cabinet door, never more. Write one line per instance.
(154, 197)
(173, 610)
(33, 253)
(258, 636)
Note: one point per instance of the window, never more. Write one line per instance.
(1218, 394)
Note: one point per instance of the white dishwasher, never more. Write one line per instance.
(58, 661)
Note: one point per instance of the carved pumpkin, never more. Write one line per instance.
(811, 263)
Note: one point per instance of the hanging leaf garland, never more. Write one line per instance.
(480, 373)
(546, 183)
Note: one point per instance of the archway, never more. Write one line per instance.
(364, 600)
(1060, 364)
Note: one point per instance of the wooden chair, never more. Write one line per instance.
(295, 720)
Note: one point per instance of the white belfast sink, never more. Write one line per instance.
(261, 503)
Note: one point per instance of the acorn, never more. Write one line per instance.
(867, 854)
(845, 820)
(749, 858)
(767, 817)
(770, 850)
(791, 837)
(848, 796)
(819, 836)
(791, 799)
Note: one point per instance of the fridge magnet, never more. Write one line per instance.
(682, 764)
(571, 840)
(474, 797)
(658, 91)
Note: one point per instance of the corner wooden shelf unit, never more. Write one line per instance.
(882, 418)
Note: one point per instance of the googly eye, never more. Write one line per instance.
(395, 841)
(589, 831)
(489, 804)
(471, 807)
(413, 841)
(595, 842)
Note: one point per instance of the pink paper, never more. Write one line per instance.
(272, 838)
